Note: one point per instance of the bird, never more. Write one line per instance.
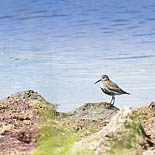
(110, 88)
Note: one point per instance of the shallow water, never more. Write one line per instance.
(60, 48)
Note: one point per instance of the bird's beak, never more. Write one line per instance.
(98, 81)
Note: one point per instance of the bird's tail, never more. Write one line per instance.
(127, 93)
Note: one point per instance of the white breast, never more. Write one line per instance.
(102, 85)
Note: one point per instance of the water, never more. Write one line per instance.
(60, 48)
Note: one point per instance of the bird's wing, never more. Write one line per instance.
(114, 87)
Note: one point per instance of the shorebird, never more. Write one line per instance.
(110, 88)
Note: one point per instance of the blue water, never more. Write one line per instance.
(60, 48)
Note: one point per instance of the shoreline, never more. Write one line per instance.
(26, 118)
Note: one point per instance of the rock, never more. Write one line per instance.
(25, 136)
(20, 114)
(149, 152)
(123, 135)
(27, 120)
(101, 110)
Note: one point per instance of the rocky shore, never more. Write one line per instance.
(32, 126)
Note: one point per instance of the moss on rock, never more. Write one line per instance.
(123, 135)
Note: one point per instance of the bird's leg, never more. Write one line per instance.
(113, 99)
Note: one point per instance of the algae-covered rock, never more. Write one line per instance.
(147, 116)
(56, 137)
(28, 124)
(31, 125)
(20, 114)
(123, 135)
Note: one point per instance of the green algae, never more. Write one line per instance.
(54, 139)
(133, 140)
(47, 110)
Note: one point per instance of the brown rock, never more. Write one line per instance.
(20, 114)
